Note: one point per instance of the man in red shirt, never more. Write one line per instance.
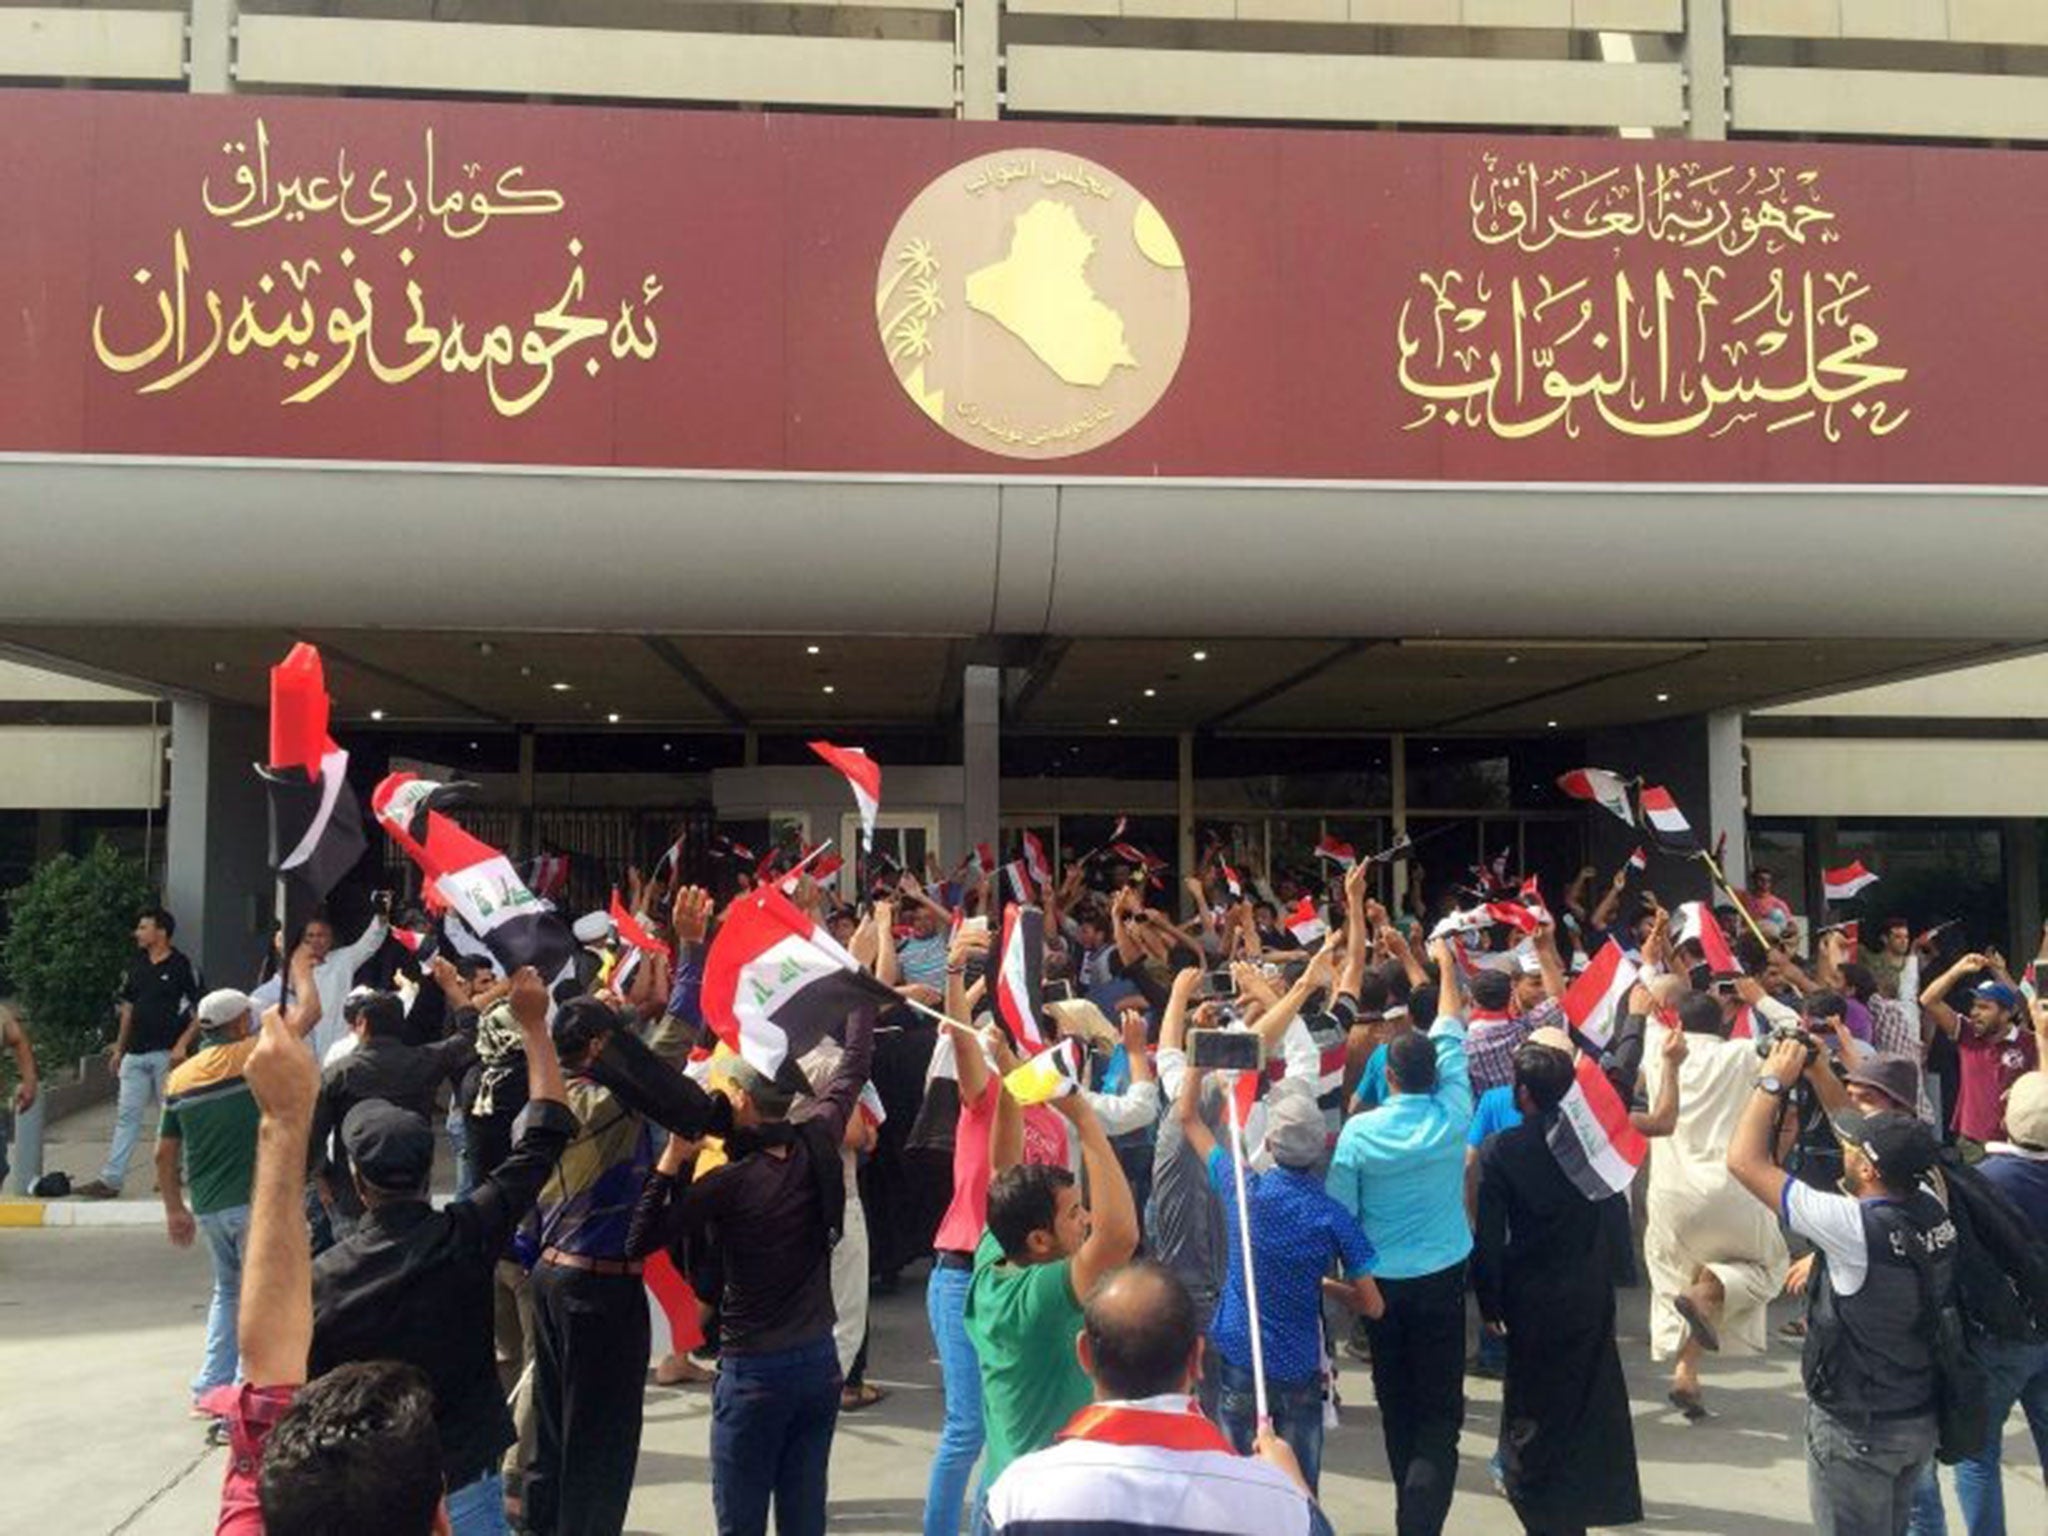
(1994, 1048)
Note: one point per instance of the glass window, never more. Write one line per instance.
(1485, 773)
(1090, 757)
(1282, 772)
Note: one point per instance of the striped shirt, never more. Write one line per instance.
(208, 1107)
(1083, 1487)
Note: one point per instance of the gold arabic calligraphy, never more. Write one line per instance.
(325, 333)
(1679, 347)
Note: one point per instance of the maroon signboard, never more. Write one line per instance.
(452, 283)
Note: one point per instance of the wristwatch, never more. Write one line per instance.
(1771, 1084)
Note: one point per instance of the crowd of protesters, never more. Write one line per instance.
(1865, 1128)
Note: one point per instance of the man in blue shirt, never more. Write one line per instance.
(1400, 1170)
(1300, 1230)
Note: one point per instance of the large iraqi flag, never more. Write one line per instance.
(776, 983)
(316, 826)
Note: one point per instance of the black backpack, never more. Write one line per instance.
(2001, 1262)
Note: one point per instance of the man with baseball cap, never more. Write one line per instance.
(1993, 1046)
(1886, 1256)
(413, 1284)
(207, 1142)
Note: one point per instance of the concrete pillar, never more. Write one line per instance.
(2022, 846)
(210, 30)
(217, 880)
(1706, 68)
(981, 724)
(980, 23)
(1726, 808)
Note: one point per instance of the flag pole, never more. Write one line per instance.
(1244, 1247)
(935, 1015)
(1728, 890)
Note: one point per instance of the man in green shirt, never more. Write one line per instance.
(1042, 1255)
(207, 1142)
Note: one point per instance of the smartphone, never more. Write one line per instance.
(1221, 983)
(2040, 973)
(974, 925)
(1227, 1050)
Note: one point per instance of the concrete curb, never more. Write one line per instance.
(80, 1213)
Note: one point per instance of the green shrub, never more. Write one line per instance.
(70, 937)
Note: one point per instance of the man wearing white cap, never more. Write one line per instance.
(210, 1118)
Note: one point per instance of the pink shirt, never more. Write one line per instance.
(1988, 1069)
(960, 1229)
(251, 1413)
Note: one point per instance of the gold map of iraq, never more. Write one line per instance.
(1039, 293)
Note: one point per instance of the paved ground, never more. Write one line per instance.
(100, 1330)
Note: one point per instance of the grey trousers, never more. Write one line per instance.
(1860, 1479)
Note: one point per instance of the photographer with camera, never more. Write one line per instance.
(1884, 1279)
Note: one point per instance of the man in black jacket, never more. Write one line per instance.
(414, 1284)
(1885, 1272)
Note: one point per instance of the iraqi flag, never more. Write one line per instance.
(1665, 822)
(422, 945)
(1342, 854)
(472, 880)
(1305, 922)
(1698, 925)
(671, 861)
(776, 983)
(1035, 860)
(863, 776)
(1594, 1000)
(1845, 883)
(1639, 860)
(1514, 915)
(1019, 880)
(1233, 883)
(1607, 790)
(548, 876)
(1020, 976)
(1591, 1137)
(316, 826)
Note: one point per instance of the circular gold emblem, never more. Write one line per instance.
(1033, 303)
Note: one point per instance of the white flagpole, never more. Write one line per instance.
(1244, 1247)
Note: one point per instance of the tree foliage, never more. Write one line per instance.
(70, 937)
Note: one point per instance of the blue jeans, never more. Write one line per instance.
(2015, 1373)
(466, 1176)
(227, 1235)
(1297, 1410)
(142, 1084)
(960, 1440)
(772, 1418)
(478, 1508)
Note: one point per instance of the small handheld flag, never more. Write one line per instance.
(1595, 1144)
(863, 776)
(1844, 883)
(1019, 979)
(1594, 1000)
(1305, 922)
(1698, 925)
(1639, 860)
(1052, 1074)
(1607, 790)
(316, 826)
(1340, 853)
(1665, 822)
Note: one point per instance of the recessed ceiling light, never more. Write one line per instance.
(1663, 698)
(472, 746)
(668, 746)
(1199, 655)
(376, 714)
(1551, 723)
(830, 689)
(613, 717)
(1151, 693)
(526, 671)
(810, 650)
(1114, 721)
(220, 666)
(1513, 659)
(484, 648)
(559, 687)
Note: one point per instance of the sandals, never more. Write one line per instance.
(854, 1398)
(1687, 1403)
(1696, 1319)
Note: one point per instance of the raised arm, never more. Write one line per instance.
(16, 1034)
(1112, 1215)
(1749, 1149)
(275, 1322)
(1610, 900)
(1934, 996)
(1662, 1119)
(1187, 1113)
